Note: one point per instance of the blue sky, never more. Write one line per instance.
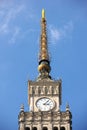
(19, 47)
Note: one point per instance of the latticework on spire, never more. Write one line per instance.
(43, 55)
(44, 60)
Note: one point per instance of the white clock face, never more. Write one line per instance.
(45, 104)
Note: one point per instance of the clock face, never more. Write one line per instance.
(45, 104)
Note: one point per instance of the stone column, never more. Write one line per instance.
(21, 127)
(68, 126)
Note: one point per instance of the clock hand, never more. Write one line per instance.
(46, 102)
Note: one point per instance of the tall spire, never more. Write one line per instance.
(44, 60)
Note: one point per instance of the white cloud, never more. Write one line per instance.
(67, 29)
(7, 16)
(61, 33)
(11, 15)
(4, 28)
(55, 33)
(15, 35)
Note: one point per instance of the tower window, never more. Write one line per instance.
(55, 128)
(34, 128)
(62, 128)
(45, 128)
(27, 128)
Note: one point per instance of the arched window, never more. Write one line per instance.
(55, 128)
(34, 128)
(45, 128)
(62, 128)
(27, 128)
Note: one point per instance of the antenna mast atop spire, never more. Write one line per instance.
(43, 13)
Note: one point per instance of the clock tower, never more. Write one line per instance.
(44, 96)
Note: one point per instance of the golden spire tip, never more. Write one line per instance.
(43, 13)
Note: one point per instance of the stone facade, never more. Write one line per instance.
(54, 119)
(44, 88)
(49, 120)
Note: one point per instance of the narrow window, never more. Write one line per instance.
(27, 128)
(62, 128)
(46, 90)
(34, 128)
(55, 128)
(45, 128)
